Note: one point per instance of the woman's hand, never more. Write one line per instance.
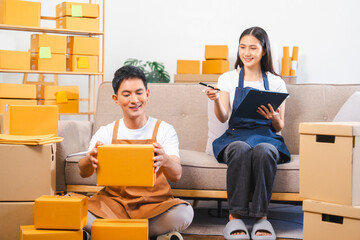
(276, 117)
(212, 94)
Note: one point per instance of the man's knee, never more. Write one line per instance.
(183, 217)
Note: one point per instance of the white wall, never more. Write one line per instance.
(326, 31)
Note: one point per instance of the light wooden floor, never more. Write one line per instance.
(202, 237)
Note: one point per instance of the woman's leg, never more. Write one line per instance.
(264, 165)
(237, 156)
(177, 218)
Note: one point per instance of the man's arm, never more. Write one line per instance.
(170, 164)
(88, 164)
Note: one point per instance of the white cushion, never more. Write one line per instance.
(350, 111)
(216, 128)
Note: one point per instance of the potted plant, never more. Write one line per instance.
(154, 71)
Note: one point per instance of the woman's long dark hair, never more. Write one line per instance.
(266, 61)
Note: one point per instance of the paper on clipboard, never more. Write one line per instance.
(255, 98)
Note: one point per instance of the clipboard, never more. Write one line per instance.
(255, 98)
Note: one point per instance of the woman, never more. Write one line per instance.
(250, 147)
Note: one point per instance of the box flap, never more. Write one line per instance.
(331, 208)
(330, 128)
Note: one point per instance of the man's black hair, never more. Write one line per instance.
(127, 72)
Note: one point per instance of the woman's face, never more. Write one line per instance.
(250, 51)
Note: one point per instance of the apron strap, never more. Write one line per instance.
(115, 131)
(242, 76)
(156, 130)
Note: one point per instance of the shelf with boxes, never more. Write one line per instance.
(74, 47)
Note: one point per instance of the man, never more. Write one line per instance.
(165, 213)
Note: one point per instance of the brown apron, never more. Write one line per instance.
(134, 202)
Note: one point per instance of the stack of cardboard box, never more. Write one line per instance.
(16, 94)
(83, 54)
(330, 180)
(65, 97)
(216, 59)
(77, 16)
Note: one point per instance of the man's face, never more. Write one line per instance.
(132, 97)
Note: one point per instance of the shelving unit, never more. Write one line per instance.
(94, 79)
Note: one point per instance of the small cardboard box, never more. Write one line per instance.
(31, 120)
(27, 172)
(79, 24)
(4, 102)
(213, 52)
(72, 9)
(57, 62)
(29, 232)
(61, 212)
(188, 67)
(82, 63)
(49, 92)
(330, 162)
(83, 45)
(12, 216)
(215, 66)
(329, 221)
(126, 165)
(22, 13)
(16, 60)
(56, 43)
(71, 106)
(12, 90)
(129, 229)
(1, 123)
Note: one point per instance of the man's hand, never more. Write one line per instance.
(89, 164)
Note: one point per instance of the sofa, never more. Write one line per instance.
(187, 108)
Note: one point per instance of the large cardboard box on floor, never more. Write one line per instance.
(126, 165)
(12, 216)
(56, 43)
(61, 212)
(188, 67)
(129, 229)
(29, 232)
(57, 62)
(23, 13)
(27, 102)
(330, 162)
(12, 90)
(79, 24)
(27, 172)
(329, 221)
(83, 45)
(215, 66)
(83, 63)
(86, 10)
(213, 52)
(16, 60)
(31, 120)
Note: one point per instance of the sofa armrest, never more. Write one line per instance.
(77, 136)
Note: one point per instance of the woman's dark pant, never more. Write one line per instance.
(250, 170)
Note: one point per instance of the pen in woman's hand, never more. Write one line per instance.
(208, 85)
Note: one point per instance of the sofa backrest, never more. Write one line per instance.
(185, 107)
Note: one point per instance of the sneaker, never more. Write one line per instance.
(170, 236)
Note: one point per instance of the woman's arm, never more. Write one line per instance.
(221, 103)
(276, 117)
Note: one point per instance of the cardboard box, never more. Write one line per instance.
(79, 24)
(12, 216)
(82, 63)
(83, 45)
(60, 212)
(12, 90)
(216, 52)
(31, 120)
(196, 78)
(1, 123)
(56, 43)
(56, 63)
(188, 67)
(328, 221)
(126, 165)
(27, 172)
(4, 102)
(16, 60)
(49, 92)
(71, 106)
(21, 13)
(330, 162)
(29, 232)
(215, 66)
(129, 229)
(87, 10)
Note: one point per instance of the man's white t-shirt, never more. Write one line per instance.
(230, 80)
(166, 136)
